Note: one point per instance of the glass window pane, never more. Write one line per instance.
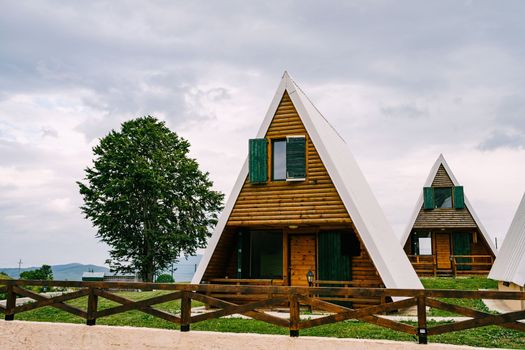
(425, 246)
(443, 197)
(422, 243)
(279, 160)
(267, 254)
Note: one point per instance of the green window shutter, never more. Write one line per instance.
(333, 264)
(295, 158)
(428, 197)
(461, 246)
(258, 161)
(459, 197)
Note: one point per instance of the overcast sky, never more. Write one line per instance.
(401, 81)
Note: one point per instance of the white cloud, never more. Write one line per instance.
(60, 205)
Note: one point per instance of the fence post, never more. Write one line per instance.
(294, 315)
(10, 304)
(422, 319)
(185, 311)
(92, 307)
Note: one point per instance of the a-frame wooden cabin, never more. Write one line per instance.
(444, 236)
(509, 267)
(302, 204)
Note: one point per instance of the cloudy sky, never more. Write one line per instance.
(402, 82)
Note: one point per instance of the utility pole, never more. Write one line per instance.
(19, 267)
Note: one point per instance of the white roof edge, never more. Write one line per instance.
(510, 262)
(419, 204)
(375, 231)
(368, 217)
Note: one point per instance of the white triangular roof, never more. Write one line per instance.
(428, 183)
(510, 261)
(368, 217)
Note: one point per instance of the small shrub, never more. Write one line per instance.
(165, 278)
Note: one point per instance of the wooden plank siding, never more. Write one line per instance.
(313, 205)
(443, 222)
(311, 202)
(442, 179)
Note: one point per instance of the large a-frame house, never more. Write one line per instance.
(444, 235)
(301, 204)
(509, 267)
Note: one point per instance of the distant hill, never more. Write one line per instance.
(69, 272)
(183, 270)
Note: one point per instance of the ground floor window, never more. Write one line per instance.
(422, 243)
(260, 254)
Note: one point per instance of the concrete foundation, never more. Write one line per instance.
(513, 305)
(20, 335)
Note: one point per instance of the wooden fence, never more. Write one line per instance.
(471, 264)
(267, 297)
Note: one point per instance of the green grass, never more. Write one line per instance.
(463, 283)
(494, 337)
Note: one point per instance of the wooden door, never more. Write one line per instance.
(301, 258)
(443, 251)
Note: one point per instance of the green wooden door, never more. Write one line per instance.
(461, 246)
(333, 265)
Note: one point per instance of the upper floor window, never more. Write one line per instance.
(288, 160)
(279, 160)
(443, 197)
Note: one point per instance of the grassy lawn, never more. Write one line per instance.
(463, 283)
(482, 337)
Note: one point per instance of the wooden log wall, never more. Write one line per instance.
(311, 202)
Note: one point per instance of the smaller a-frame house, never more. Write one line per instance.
(444, 235)
(509, 267)
(301, 206)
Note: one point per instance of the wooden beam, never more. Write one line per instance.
(490, 320)
(295, 317)
(56, 302)
(137, 305)
(360, 314)
(379, 321)
(92, 306)
(10, 304)
(422, 332)
(261, 316)
(470, 313)
(185, 311)
(239, 309)
(154, 312)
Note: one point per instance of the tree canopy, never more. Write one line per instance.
(43, 273)
(147, 198)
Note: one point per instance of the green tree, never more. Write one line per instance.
(43, 273)
(147, 198)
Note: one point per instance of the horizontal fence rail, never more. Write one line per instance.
(264, 298)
